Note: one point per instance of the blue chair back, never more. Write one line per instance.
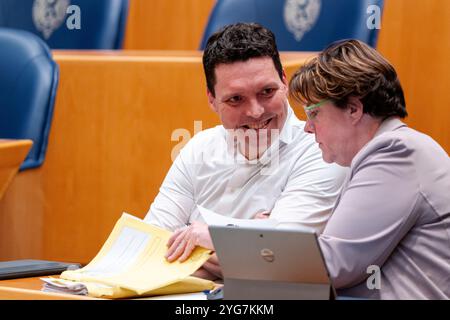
(299, 25)
(101, 22)
(28, 82)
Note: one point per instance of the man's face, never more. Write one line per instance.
(250, 96)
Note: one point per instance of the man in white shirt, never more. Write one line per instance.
(259, 162)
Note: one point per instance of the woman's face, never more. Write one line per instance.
(333, 130)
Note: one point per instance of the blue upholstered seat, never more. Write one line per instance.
(300, 25)
(101, 22)
(28, 82)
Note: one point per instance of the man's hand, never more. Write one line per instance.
(184, 240)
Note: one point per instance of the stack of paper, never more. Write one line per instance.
(64, 286)
(132, 263)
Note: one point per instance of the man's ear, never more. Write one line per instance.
(211, 100)
(355, 109)
(284, 79)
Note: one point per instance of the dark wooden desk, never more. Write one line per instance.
(30, 289)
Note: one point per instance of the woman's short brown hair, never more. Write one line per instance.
(351, 68)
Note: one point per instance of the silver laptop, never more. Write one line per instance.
(271, 264)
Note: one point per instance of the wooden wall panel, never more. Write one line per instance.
(166, 24)
(415, 37)
(109, 149)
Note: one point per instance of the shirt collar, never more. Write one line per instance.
(285, 137)
(390, 124)
(286, 131)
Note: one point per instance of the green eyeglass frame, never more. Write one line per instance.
(311, 107)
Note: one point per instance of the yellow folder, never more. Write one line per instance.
(132, 263)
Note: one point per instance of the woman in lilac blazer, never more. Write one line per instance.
(389, 233)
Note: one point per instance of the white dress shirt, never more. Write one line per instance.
(294, 184)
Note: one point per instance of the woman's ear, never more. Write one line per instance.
(355, 108)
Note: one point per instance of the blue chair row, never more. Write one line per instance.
(301, 25)
(29, 76)
(28, 82)
(69, 24)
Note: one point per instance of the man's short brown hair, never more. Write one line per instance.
(239, 42)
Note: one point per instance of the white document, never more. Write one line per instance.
(181, 296)
(214, 219)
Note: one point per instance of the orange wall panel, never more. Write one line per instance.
(415, 37)
(166, 24)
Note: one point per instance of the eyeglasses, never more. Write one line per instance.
(311, 110)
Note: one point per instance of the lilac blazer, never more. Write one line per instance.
(393, 213)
